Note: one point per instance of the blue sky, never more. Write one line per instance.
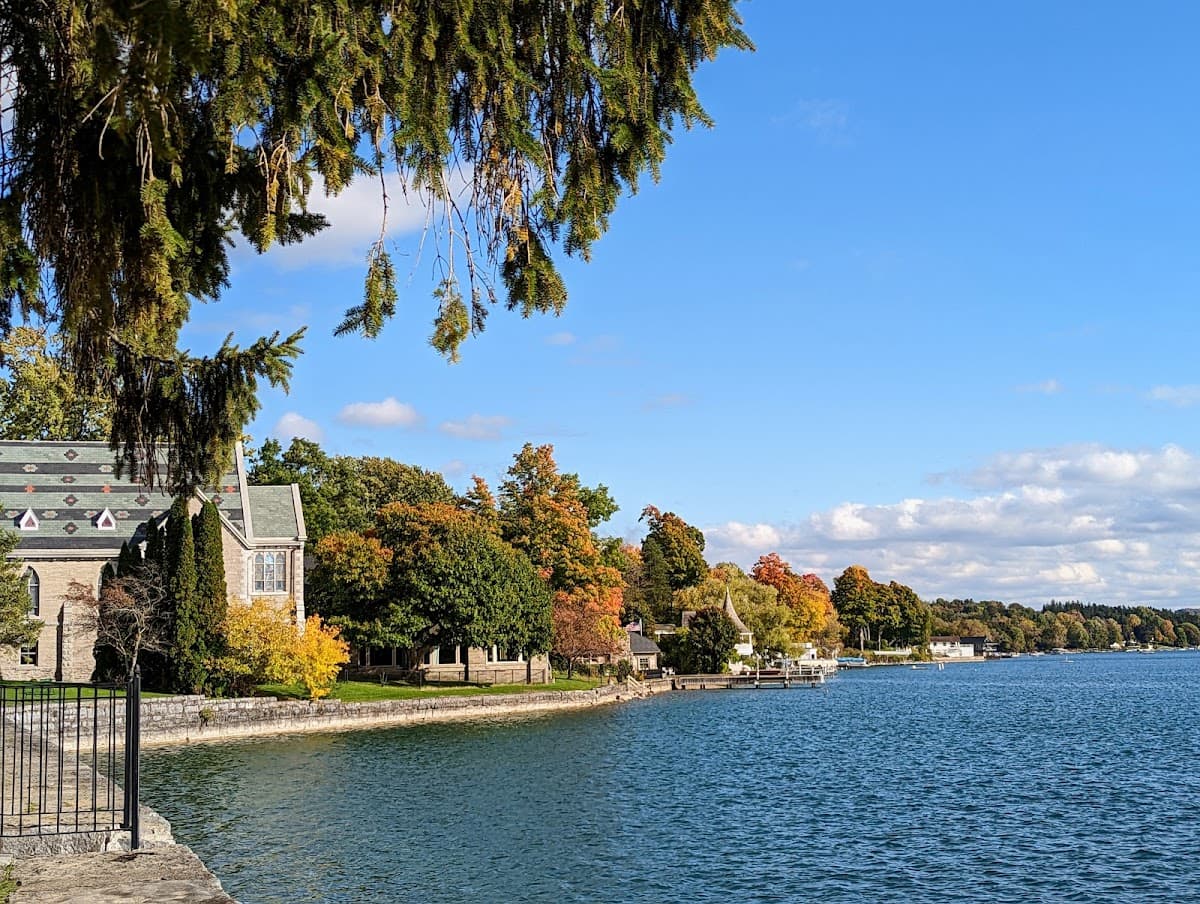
(923, 299)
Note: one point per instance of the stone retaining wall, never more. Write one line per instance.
(186, 719)
(183, 720)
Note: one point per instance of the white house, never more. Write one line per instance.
(950, 648)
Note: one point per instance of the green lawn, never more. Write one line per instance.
(366, 691)
(85, 692)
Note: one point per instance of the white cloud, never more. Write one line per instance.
(1180, 396)
(477, 427)
(454, 468)
(295, 425)
(563, 338)
(389, 413)
(1046, 387)
(752, 536)
(1073, 522)
(355, 217)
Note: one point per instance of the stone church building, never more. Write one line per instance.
(72, 514)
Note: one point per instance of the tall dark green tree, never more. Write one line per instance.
(155, 544)
(16, 625)
(144, 132)
(211, 594)
(130, 559)
(711, 640)
(186, 662)
(673, 556)
(856, 598)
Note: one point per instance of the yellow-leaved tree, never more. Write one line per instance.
(320, 654)
(263, 645)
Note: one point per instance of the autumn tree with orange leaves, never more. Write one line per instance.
(813, 615)
(548, 516)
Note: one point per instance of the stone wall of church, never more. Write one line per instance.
(239, 568)
(62, 624)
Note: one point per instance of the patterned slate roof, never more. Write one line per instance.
(67, 485)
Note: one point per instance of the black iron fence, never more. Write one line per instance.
(69, 758)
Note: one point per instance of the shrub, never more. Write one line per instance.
(263, 645)
(624, 669)
(259, 640)
(320, 654)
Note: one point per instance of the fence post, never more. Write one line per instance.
(133, 740)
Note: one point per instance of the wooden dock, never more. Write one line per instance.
(804, 675)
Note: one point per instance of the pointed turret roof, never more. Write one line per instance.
(733, 616)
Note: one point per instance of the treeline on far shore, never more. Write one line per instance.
(1065, 625)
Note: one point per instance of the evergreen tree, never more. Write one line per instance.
(211, 595)
(147, 132)
(16, 627)
(154, 543)
(157, 666)
(129, 560)
(187, 656)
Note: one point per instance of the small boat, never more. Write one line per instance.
(918, 668)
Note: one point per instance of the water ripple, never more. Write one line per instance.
(1029, 780)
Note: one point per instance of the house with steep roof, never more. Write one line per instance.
(72, 513)
(644, 654)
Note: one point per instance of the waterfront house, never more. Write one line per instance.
(981, 645)
(945, 647)
(72, 514)
(644, 653)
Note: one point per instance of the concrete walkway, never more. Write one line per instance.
(159, 874)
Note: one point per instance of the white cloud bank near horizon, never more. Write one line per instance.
(1084, 522)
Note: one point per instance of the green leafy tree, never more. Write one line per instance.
(673, 553)
(186, 668)
(543, 514)
(472, 587)
(39, 399)
(385, 480)
(599, 504)
(343, 492)
(144, 132)
(855, 596)
(16, 625)
(212, 597)
(711, 640)
(432, 574)
(330, 491)
(156, 549)
(910, 620)
(347, 586)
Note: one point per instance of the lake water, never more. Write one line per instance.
(1021, 780)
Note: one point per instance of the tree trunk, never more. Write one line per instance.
(570, 666)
